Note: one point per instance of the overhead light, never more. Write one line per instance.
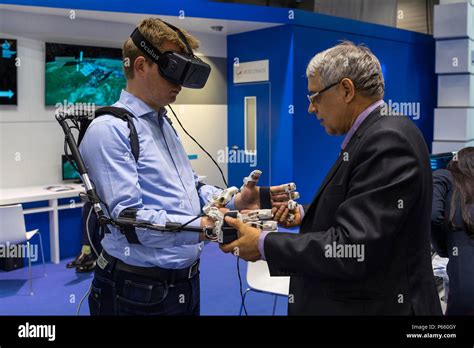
(217, 27)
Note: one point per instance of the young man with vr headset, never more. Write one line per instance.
(144, 272)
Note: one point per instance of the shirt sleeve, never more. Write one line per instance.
(261, 241)
(112, 168)
(206, 191)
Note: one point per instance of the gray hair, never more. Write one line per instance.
(346, 60)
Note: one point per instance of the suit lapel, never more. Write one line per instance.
(374, 115)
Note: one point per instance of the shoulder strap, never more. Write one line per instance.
(124, 115)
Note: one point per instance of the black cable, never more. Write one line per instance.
(240, 284)
(226, 185)
(180, 227)
(207, 153)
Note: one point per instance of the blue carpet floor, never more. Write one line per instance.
(61, 290)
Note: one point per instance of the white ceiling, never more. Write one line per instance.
(192, 24)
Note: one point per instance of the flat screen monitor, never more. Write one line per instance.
(440, 160)
(83, 74)
(68, 171)
(8, 73)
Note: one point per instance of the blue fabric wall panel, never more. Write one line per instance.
(70, 231)
(409, 77)
(275, 45)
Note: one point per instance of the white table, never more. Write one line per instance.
(40, 193)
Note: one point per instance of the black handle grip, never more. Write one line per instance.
(229, 233)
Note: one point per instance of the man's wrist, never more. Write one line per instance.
(236, 199)
(231, 204)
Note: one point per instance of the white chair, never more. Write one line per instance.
(259, 280)
(13, 231)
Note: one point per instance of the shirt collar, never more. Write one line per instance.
(362, 116)
(137, 106)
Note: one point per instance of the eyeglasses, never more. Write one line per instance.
(312, 97)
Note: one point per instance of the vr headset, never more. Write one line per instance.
(186, 70)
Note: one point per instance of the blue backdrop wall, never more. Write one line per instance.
(301, 151)
(275, 45)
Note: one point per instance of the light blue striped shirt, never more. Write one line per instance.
(162, 185)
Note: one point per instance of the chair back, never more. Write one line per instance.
(258, 278)
(12, 224)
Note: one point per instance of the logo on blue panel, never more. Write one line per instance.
(6, 53)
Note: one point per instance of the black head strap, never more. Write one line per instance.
(145, 46)
(181, 36)
(149, 49)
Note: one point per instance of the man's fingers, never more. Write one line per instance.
(284, 216)
(280, 197)
(252, 179)
(227, 248)
(281, 215)
(279, 204)
(278, 213)
(275, 190)
(285, 188)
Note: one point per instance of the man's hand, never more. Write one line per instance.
(249, 197)
(246, 247)
(206, 221)
(281, 215)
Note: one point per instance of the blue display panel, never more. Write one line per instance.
(8, 73)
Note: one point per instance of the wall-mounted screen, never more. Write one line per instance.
(440, 160)
(69, 172)
(83, 74)
(8, 76)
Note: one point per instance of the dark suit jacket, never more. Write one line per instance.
(377, 195)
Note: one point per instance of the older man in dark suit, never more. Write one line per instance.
(364, 242)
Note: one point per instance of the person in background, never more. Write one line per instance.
(452, 228)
